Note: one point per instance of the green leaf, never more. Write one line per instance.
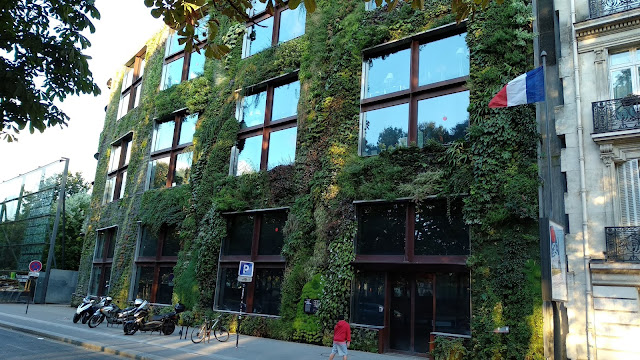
(310, 5)
(293, 4)
(148, 3)
(156, 13)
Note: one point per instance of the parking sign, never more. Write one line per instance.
(245, 269)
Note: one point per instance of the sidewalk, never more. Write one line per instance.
(54, 322)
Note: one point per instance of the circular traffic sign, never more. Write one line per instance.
(35, 265)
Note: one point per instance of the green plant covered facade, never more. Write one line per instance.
(307, 222)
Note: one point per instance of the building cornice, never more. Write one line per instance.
(622, 21)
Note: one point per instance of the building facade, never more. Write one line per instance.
(598, 127)
(350, 155)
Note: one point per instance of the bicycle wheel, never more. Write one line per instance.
(221, 334)
(198, 334)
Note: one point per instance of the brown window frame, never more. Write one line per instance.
(169, 58)
(409, 256)
(156, 262)
(124, 143)
(135, 88)
(175, 149)
(415, 93)
(104, 262)
(260, 261)
(267, 126)
(264, 15)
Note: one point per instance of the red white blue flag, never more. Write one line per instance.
(525, 89)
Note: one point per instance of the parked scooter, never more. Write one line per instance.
(82, 312)
(165, 323)
(113, 314)
(102, 302)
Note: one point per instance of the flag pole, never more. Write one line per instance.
(548, 185)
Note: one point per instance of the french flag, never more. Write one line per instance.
(525, 89)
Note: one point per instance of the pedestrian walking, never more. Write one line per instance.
(341, 338)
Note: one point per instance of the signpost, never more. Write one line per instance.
(245, 275)
(34, 271)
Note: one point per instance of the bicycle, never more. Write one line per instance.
(219, 331)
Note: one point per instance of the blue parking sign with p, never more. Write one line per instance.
(245, 269)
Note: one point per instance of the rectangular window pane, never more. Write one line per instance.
(249, 154)
(253, 109)
(172, 44)
(621, 83)
(444, 118)
(172, 73)
(196, 64)
(443, 59)
(144, 282)
(381, 229)
(292, 23)
(100, 241)
(111, 242)
(258, 37)
(163, 136)
(285, 100)
(282, 147)
(368, 299)
(143, 63)
(385, 128)
(171, 244)
(128, 155)
(266, 296)
(453, 308)
(126, 80)
(138, 94)
(95, 280)
(440, 231)
(229, 290)
(158, 171)
(114, 158)
(165, 285)
(123, 107)
(123, 184)
(148, 244)
(183, 168)
(387, 74)
(109, 188)
(271, 238)
(187, 129)
(620, 58)
(239, 235)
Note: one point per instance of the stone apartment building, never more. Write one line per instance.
(349, 153)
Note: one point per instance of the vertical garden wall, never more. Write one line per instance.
(494, 166)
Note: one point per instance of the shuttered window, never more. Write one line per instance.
(629, 182)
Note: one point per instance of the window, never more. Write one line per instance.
(155, 259)
(132, 84)
(179, 65)
(434, 227)
(117, 169)
(171, 159)
(102, 260)
(625, 73)
(253, 236)
(415, 93)
(265, 30)
(629, 193)
(268, 127)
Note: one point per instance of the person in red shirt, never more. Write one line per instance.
(341, 338)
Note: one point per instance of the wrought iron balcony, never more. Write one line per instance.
(623, 243)
(616, 114)
(598, 8)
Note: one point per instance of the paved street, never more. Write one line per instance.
(54, 322)
(20, 346)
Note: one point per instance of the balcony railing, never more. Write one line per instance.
(616, 114)
(623, 243)
(598, 8)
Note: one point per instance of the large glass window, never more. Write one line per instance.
(131, 84)
(453, 303)
(265, 30)
(179, 65)
(171, 161)
(382, 229)
(415, 94)
(266, 293)
(624, 73)
(440, 228)
(117, 170)
(102, 260)
(368, 298)
(268, 134)
(156, 256)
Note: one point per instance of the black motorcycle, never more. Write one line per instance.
(165, 323)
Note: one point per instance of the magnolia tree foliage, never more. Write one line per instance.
(41, 60)
(183, 15)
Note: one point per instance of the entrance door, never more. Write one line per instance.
(411, 312)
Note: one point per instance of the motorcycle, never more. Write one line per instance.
(103, 301)
(113, 314)
(165, 323)
(82, 312)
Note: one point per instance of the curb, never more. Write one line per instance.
(73, 341)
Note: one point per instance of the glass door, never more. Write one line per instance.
(411, 312)
(400, 313)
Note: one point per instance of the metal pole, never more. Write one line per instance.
(549, 188)
(54, 233)
(240, 315)
(64, 226)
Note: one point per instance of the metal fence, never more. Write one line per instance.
(599, 8)
(623, 243)
(616, 114)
